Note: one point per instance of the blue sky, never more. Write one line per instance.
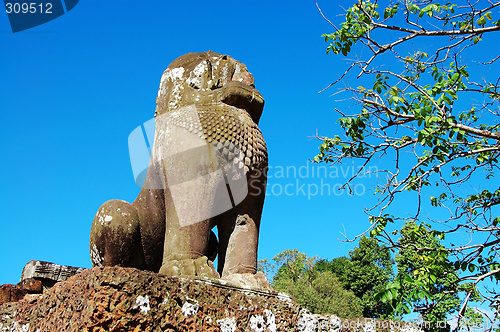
(73, 89)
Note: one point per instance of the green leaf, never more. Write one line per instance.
(406, 308)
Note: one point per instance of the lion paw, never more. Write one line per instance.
(200, 267)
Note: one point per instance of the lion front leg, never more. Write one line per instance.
(187, 239)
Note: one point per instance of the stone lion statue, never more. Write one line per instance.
(207, 169)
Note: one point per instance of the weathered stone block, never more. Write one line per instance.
(128, 299)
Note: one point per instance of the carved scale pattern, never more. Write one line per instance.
(230, 130)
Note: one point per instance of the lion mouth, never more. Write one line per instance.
(245, 97)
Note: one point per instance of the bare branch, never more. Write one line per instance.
(324, 17)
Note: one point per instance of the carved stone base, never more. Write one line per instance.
(127, 299)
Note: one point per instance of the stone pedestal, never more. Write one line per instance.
(127, 299)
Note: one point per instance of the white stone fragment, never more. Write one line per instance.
(165, 300)
(142, 302)
(96, 257)
(257, 323)
(190, 307)
(335, 323)
(15, 327)
(369, 326)
(284, 297)
(227, 324)
(271, 320)
(307, 322)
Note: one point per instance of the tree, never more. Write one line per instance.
(412, 279)
(431, 113)
(366, 272)
(320, 293)
(413, 268)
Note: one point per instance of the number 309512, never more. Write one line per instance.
(31, 8)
